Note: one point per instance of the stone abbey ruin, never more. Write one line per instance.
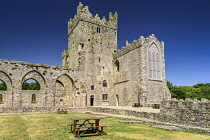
(95, 73)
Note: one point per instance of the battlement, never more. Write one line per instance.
(195, 104)
(134, 45)
(84, 14)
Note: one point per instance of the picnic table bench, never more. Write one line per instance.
(62, 111)
(86, 128)
(137, 105)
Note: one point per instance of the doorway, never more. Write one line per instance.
(91, 100)
(117, 100)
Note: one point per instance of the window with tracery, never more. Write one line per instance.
(154, 62)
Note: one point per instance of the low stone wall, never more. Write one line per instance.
(147, 115)
(186, 112)
(39, 110)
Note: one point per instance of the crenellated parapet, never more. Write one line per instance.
(134, 45)
(186, 112)
(84, 14)
(129, 47)
(187, 104)
(195, 104)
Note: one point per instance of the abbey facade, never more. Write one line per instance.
(93, 72)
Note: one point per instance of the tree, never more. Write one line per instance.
(3, 86)
(30, 86)
(197, 91)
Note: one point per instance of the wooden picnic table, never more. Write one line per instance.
(86, 127)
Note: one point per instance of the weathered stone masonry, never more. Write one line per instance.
(93, 71)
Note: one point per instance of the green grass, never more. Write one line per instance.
(54, 127)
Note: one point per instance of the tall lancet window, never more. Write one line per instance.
(154, 62)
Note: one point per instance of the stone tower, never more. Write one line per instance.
(91, 43)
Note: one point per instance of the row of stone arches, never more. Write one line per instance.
(59, 90)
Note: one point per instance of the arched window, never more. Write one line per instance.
(154, 62)
(104, 83)
(1, 98)
(30, 84)
(33, 98)
(3, 86)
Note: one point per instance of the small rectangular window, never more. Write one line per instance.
(104, 97)
(92, 87)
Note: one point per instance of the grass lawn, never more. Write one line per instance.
(54, 127)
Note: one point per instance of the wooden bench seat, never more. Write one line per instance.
(90, 127)
(71, 125)
(79, 132)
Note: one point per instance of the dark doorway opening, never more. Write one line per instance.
(91, 100)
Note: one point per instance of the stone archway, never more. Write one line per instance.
(26, 96)
(6, 93)
(35, 75)
(64, 91)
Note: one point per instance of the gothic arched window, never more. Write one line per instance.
(154, 62)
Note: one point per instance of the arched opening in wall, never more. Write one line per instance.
(30, 84)
(91, 100)
(33, 98)
(117, 100)
(1, 98)
(81, 46)
(104, 83)
(117, 65)
(3, 86)
(64, 89)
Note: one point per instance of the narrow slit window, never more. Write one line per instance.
(98, 29)
(117, 64)
(1, 98)
(33, 98)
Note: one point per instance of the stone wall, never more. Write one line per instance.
(15, 73)
(132, 81)
(39, 109)
(193, 113)
(187, 112)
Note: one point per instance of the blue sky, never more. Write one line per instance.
(36, 31)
